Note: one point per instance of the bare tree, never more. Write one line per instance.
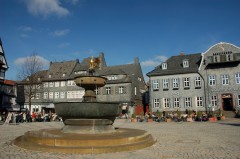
(29, 74)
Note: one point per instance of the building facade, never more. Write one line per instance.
(220, 69)
(125, 84)
(201, 82)
(7, 87)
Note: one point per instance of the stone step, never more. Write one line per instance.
(229, 114)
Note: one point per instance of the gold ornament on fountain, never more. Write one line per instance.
(93, 64)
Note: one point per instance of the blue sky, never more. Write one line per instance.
(152, 30)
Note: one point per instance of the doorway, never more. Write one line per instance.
(227, 102)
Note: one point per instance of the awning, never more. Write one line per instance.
(124, 107)
(51, 105)
(14, 108)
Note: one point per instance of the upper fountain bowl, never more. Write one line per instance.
(90, 82)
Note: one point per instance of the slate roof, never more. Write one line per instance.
(57, 69)
(175, 65)
(132, 71)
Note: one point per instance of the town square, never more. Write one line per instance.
(120, 79)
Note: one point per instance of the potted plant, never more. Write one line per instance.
(159, 116)
(168, 118)
(179, 115)
(189, 117)
(199, 116)
(150, 119)
(133, 118)
(212, 117)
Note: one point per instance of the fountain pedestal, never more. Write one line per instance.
(88, 126)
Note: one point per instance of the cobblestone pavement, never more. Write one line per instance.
(182, 140)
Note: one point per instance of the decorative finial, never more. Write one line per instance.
(93, 64)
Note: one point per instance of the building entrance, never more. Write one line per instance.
(227, 103)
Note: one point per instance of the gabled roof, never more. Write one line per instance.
(175, 65)
(3, 61)
(57, 69)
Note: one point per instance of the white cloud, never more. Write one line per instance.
(73, 1)
(24, 35)
(46, 7)
(25, 28)
(154, 62)
(63, 45)
(20, 61)
(60, 32)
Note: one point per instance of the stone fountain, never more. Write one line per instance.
(88, 125)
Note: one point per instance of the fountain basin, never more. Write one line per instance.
(87, 110)
(88, 117)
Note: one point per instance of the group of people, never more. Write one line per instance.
(21, 117)
(174, 116)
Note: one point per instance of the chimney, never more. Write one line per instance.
(136, 60)
(181, 53)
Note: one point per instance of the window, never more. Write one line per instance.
(45, 84)
(62, 83)
(77, 94)
(63, 74)
(56, 84)
(71, 83)
(214, 101)
(50, 84)
(198, 82)
(175, 83)
(212, 80)
(199, 101)
(50, 95)
(164, 66)
(45, 95)
(186, 82)
(38, 86)
(237, 78)
(185, 63)
(166, 102)
(56, 95)
(215, 58)
(50, 76)
(113, 77)
(165, 83)
(187, 102)
(62, 95)
(225, 79)
(176, 103)
(69, 94)
(155, 84)
(121, 90)
(37, 95)
(97, 91)
(108, 90)
(156, 103)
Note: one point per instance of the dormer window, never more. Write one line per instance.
(39, 79)
(185, 63)
(164, 66)
(63, 74)
(49, 76)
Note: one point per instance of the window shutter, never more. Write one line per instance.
(125, 90)
(222, 58)
(117, 90)
(236, 56)
(209, 59)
